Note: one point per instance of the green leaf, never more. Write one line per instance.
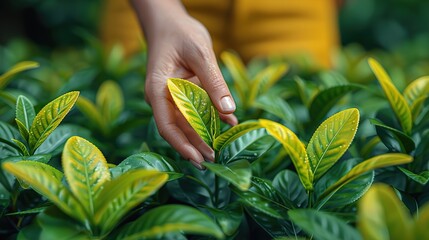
(295, 148)
(421, 230)
(322, 225)
(49, 118)
(265, 79)
(21, 146)
(327, 98)
(149, 161)
(421, 178)
(25, 111)
(380, 161)
(416, 89)
(195, 105)
(22, 129)
(228, 218)
(331, 140)
(277, 106)
(233, 133)
(238, 173)
(287, 184)
(387, 134)
(46, 180)
(215, 123)
(27, 212)
(396, 100)
(124, 193)
(250, 146)
(110, 101)
(238, 72)
(86, 171)
(7, 133)
(416, 107)
(170, 219)
(381, 215)
(19, 67)
(91, 112)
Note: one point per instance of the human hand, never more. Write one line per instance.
(179, 46)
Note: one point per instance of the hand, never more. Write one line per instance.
(179, 46)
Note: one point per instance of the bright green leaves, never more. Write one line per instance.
(331, 140)
(233, 133)
(237, 173)
(170, 219)
(195, 105)
(19, 67)
(25, 112)
(86, 171)
(49, 118)
(295, 148)
(396, 100)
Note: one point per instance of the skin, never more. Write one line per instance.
(180, 46)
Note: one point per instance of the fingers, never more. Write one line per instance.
(230, 119)
(202, 62)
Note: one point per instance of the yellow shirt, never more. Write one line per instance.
(250, 27)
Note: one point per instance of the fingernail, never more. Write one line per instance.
(197, 165)
(227, 104)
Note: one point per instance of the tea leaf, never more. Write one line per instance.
(195, 105)
(416, 89)
(233, 133)
(25, 111)
(265, 80)
(7, 133)
(46, 180)
(277, 106)
(49, 118)
(323, 225)
(327, 98)
(86, 171)
(295, 148)
(110, 101)
(238, 72)
(421, 178)
(381, 215)
(22, 147)
(396, 100)
(91, 112)
(19, 67)
(384, 160)
(387, 134)
(237, 173)
(173, 218)
(22, 129)
(287, 184)
(229, 218)
(124, 193)
(331, 140)
(417, 106)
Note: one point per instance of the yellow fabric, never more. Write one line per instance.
(249, 27)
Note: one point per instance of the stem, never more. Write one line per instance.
(310, 195)
(216, 190)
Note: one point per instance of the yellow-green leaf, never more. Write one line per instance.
(22, 129)
(417, 89)
(294, 147)
(19, 67)
(380, 161)
(50, 117)
(195, 105)
(381, 215)
(46, 180)
(421, 230)
(91, 112)
(238, 71)
(86, 171)
(124, 193)
(396, 100)
(331, 140)
(417, 106)
(234, 133)
(22, 147)
(110, 101)
(25, 111)
(265, 79)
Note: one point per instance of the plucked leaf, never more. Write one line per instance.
(233, 133)
(331, 140)
(287, 184)
(327, 98)
(265, 79)
(380, 161)
(124, 193)
(416, 89)
(237, 173)
(238, 72)
(149, 161)
(396, 100)
(250, 146)
(25, 111)
(295, 148)
(160, 221)
(421, 178)
(110, 101)
(322, 225)
(195, 105)
(49, 118)
(86, 171)
(381, 215)
(46, 180)
(91, 112)
(19, 67)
